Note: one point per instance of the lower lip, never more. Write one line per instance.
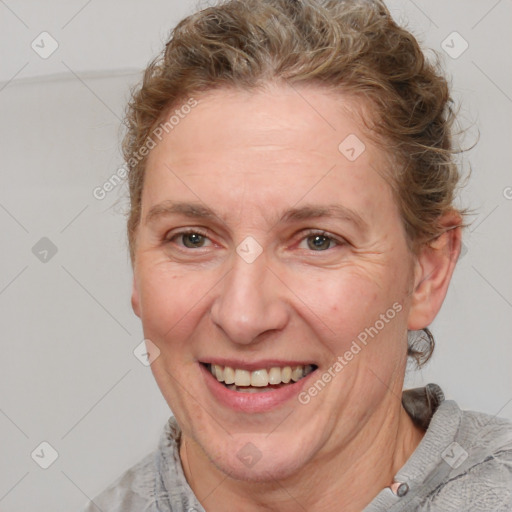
(252, 402)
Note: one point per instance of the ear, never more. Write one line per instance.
(433, 271)
(135, 297)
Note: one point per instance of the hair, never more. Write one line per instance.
(349, 47)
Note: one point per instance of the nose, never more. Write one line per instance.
(251, 302)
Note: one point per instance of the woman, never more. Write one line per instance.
(291, 229)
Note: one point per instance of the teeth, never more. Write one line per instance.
(274, 376)
(242, 378)
(259, 378)
(229, 375)
(297, 373)
(218, 372)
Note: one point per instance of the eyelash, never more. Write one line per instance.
(309, 233)
(316, 232)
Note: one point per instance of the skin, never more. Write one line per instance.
(249, 156)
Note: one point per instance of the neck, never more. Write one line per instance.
(346, 479)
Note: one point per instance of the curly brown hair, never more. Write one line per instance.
(347, 46)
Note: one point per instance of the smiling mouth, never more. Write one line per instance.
(258, 381)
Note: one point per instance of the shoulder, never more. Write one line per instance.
(155, 483)
(490, 433)
(129, 492)
(479, 461)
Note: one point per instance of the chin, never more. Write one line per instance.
(251, 458)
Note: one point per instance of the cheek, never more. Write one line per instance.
(171, 300)
(348, 304)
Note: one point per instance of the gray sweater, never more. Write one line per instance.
(463, 463)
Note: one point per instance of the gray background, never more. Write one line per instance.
(68, 375)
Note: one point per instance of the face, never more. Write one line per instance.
(264, 244)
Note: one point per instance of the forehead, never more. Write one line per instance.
(301, 118)
(272, 147)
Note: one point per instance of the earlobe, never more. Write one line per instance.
(135, 298)
(434, 268)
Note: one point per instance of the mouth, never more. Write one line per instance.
(260, 380)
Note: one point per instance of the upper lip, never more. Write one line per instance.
(255, 365)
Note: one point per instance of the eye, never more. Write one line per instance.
(190, 239)
(319, 241)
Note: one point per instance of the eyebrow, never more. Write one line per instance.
(168, 208)
(307, 212)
